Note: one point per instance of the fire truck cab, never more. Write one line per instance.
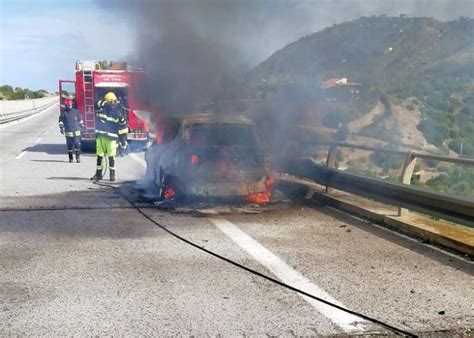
(96, 78)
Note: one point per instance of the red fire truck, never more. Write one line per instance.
(96, 78)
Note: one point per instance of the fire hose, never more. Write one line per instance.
(254, 272)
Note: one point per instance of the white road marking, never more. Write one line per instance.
(139, 160)
(14, 123)
(288, 275)
(25, 151)
(46, 132)
(21, 154)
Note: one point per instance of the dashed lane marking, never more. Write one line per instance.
(46, 132)
(21, 154)
(288, 275)
(139, 160)
(38, 140)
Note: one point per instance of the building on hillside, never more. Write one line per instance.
(338, 86)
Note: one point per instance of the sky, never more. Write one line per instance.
(42, 39)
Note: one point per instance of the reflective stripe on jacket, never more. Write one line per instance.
(71, 121)
(72, 133)
(109, 120)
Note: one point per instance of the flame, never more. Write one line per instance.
(259, 197)
(194, 159)
(262, 197)
(169, 193)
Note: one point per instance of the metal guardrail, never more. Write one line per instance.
(406, 171)
(11, 110)
(414, 154)
(444, 206)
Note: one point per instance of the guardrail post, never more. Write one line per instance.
(407, 172)
(331, 161)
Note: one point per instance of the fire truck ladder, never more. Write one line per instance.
(89, 107)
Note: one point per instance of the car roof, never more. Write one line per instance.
(212, 118)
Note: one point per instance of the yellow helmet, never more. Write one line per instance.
(110, 97)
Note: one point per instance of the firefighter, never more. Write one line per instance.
(122, 145)
(109, 120)
(70, 125)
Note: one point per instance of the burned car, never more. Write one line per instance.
(209, 156)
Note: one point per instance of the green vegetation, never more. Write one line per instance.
(387, 160)
(446, 118)
(337, 117)
(360, 166)
(10, 93)
(459, 180)
(462, 136)
(427, 63)
(424, 59)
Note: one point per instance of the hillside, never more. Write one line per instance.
(425, 65)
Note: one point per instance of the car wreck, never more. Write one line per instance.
(209, 157)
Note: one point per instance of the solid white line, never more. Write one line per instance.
(288, 275)
(139, 160)
(21, 154)
(38, 140)
(14, 123)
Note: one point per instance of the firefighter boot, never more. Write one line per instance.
(78, 156)
(70, 156)
(97, 176)
(98, 172)
(112, 168)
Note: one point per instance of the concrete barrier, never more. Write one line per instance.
(11, 110)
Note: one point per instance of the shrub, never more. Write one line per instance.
(387, 160)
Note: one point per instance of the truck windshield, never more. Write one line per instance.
(221, 134)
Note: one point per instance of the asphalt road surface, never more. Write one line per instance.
(78, 259)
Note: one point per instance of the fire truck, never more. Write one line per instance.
(96, 78)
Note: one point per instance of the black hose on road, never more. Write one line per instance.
(243, 267)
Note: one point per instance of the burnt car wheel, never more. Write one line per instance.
(166, 188)
(161, 184)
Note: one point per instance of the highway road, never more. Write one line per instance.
(78, 259)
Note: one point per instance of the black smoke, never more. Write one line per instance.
(195, 51)
(190, 49)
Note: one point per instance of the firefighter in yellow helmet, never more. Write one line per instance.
(110, 119)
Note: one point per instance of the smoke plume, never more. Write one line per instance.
(190, 49)
(193, 50)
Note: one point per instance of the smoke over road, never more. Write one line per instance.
(191, 49)
(195, 49)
